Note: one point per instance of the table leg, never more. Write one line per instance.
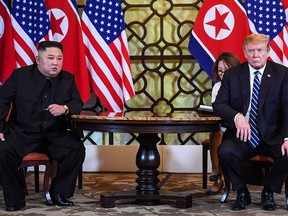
(148, 161)
(147, 192)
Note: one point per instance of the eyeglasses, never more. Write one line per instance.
(222, 71)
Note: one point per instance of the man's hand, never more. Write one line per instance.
(2, 138)
(56, 109)
(243, 128)
(284, 148)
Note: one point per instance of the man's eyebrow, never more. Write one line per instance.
(52, 55)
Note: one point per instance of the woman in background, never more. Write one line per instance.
(223, 62)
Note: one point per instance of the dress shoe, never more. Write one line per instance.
(16, 207)
(267, 200)
(60, 200)
(242, 200)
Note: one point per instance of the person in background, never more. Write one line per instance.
(224, 61)
(260, 126)
(42, 97)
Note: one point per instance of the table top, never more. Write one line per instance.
(147, 122)
(148, 116)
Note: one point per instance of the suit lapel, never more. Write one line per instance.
(245, 87)
(265, 84)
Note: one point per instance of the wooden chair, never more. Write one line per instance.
(265, 163)
(35, 159)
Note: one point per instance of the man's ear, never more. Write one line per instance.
(37, 59)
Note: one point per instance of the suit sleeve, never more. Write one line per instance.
(284, 99)
(75, 104)
(222, 106)
(7, 95)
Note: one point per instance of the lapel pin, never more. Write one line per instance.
(268, 75)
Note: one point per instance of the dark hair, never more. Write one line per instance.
(229, 58)
(45, 44)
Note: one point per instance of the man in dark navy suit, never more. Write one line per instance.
(261, 130)
(42, 97)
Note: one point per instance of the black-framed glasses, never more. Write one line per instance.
(222, 71)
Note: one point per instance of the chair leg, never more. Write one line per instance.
(24, 172)
(80, 179)
(286, 193)
(204, 165)
(227, 186)
(36, 178)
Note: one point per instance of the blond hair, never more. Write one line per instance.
(253, 38)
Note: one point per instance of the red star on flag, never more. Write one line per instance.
(225, 19)
(55, 24)
(219, 22)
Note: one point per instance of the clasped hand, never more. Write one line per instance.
(56, 109)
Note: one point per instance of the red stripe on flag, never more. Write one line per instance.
(105, 53)
(100, 72)
(114, 72)
(100, 94)
(97, 68)
(126, 80)
(275, 46)
(27, 49)
(285, 45)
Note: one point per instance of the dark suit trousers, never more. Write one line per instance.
(232, 152)
(69, 162)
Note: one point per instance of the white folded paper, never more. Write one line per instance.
(206, 108)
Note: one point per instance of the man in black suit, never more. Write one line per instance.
(233, 104)
(42, 97)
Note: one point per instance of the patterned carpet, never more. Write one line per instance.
(87, 200)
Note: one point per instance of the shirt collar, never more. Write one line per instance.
(42, 79)
(252, 70)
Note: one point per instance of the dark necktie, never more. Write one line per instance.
(254, 141)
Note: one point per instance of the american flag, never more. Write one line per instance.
(31, 25)
(107, 55)
(269, 18)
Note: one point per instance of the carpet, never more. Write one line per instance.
(87, 200)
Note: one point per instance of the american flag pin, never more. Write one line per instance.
(268, 75)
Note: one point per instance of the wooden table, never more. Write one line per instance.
(148, 125)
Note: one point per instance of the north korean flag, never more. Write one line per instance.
(66, 28)
(7, 51)
(221, 25)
